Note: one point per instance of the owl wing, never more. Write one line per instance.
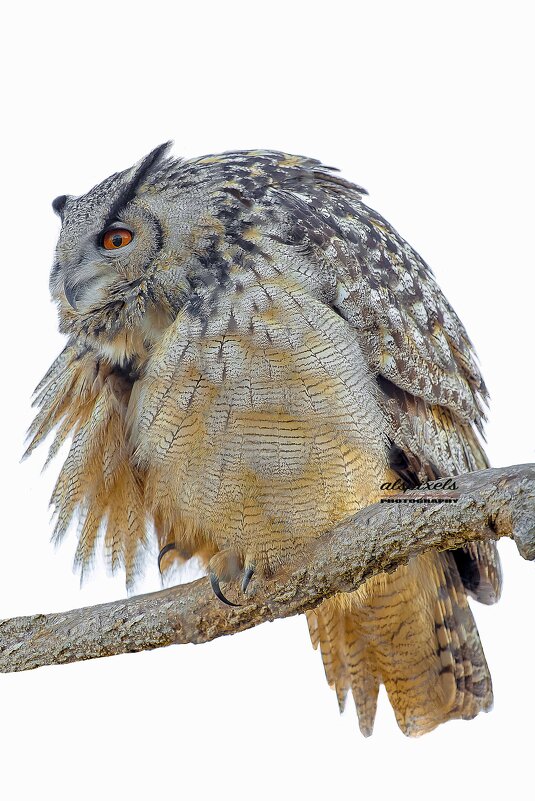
(430, 442)
(431, 388)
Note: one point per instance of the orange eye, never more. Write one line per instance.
(116, 238)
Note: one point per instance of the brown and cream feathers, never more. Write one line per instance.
(255, 358)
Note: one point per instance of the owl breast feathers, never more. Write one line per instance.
(252, 352)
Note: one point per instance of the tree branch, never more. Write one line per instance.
(492, 503)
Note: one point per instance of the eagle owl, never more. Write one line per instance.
(252, 353)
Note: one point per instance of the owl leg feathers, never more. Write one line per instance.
(414, 632)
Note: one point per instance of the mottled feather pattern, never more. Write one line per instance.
(409, 332)
(238, 379)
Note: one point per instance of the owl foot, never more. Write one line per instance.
(227, 566)
(183, 554)
(214, 583)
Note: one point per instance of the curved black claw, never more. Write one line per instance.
(247, 576)
(166, 548)
(214, 581)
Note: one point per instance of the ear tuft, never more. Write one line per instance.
(146, 165)
(134, 178)
(58, 204)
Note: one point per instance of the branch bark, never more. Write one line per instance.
(492, 503)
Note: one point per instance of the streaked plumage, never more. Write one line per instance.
(241, 374)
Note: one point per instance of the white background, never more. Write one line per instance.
(428, 106)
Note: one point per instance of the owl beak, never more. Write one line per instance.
(70, 294)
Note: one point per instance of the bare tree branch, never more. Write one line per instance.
(491, 504)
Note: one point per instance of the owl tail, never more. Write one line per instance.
(413, 631)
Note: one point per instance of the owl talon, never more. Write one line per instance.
(214, 582)
(247, 576)
(166, 548)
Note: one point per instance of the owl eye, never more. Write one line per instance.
(115, 238)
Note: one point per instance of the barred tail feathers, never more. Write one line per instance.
(414, 632)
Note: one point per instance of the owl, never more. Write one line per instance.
(253, 354)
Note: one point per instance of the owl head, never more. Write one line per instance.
(168, 235)
(118, 277)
